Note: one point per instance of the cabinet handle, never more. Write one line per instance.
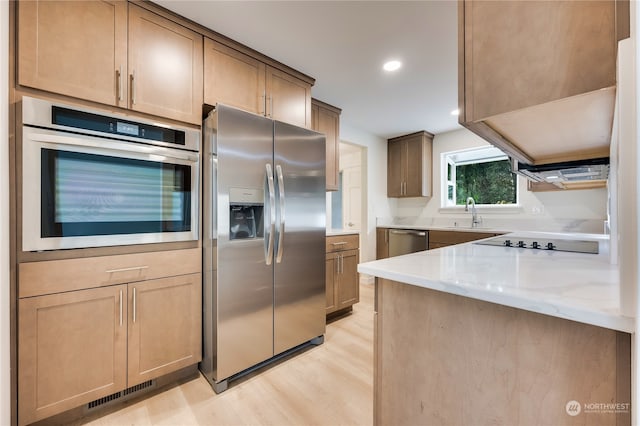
(263, 103)
(408, 232)
(270, 107)
(133, 87)
(134, 305)
(341, 243)
(133, 268)
(120, 308)
(119, 83)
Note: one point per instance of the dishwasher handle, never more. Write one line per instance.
(408, 232)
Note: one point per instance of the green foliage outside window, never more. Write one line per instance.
(488, 183)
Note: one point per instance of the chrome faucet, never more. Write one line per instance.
(475, 220)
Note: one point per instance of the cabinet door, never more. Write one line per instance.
(233, 78)
(326, 121)
(288, 98)
(165, 326)
(412, 158)
(72, 350)
(395, 169)
(547, 51)
(348, 289)
(165, 67)
(331, 271)
(75, 48)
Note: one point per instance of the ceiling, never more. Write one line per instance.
(343, 45)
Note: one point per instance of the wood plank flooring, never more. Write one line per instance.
(331, 384)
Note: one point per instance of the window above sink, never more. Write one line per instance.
(482, 173)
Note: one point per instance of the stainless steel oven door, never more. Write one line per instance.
(84, 191)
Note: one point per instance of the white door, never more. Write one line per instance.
(351, 193)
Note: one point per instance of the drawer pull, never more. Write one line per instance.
(134, 268)
(134, 305)
(341, 243)
(418, 233)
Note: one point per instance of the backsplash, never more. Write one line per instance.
(589, 226)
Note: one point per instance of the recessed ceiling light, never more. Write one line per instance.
(392, 65)
(455, 112)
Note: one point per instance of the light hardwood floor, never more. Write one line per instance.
(331, 384)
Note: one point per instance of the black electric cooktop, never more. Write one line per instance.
(542, 243)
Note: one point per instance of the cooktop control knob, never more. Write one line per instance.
(535, 245)
(521, 244)
(507, 243)
(550, 246)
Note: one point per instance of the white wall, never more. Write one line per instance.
(576, 204)
(634, 223)
(374, 188)
(5, 378)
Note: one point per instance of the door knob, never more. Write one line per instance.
(350, 224)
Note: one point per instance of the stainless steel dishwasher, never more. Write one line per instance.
(404, 241)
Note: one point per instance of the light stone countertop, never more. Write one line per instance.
(574, 286)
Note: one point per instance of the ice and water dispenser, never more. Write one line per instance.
(246, 213)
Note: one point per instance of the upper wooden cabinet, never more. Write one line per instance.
(237, 79)
(75, 48)
(409, 165)
(113, 53)
(165, 67)
(233, 78)
(326, 119)
(537, 79)
(288, 98)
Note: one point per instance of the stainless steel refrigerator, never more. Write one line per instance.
(264, 227)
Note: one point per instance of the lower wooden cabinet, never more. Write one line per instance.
(164, 326)
(78, 346)
(72, 349)
(343, 283)
(439, 239)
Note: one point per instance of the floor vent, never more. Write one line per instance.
(120, 396)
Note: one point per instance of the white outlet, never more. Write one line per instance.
(537, 210)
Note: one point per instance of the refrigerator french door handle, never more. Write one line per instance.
(213, 167)
(272, 215)
(282, 209)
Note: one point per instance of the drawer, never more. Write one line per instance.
(342, 242)
(55, 276)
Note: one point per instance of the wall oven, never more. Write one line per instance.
(91, 179)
